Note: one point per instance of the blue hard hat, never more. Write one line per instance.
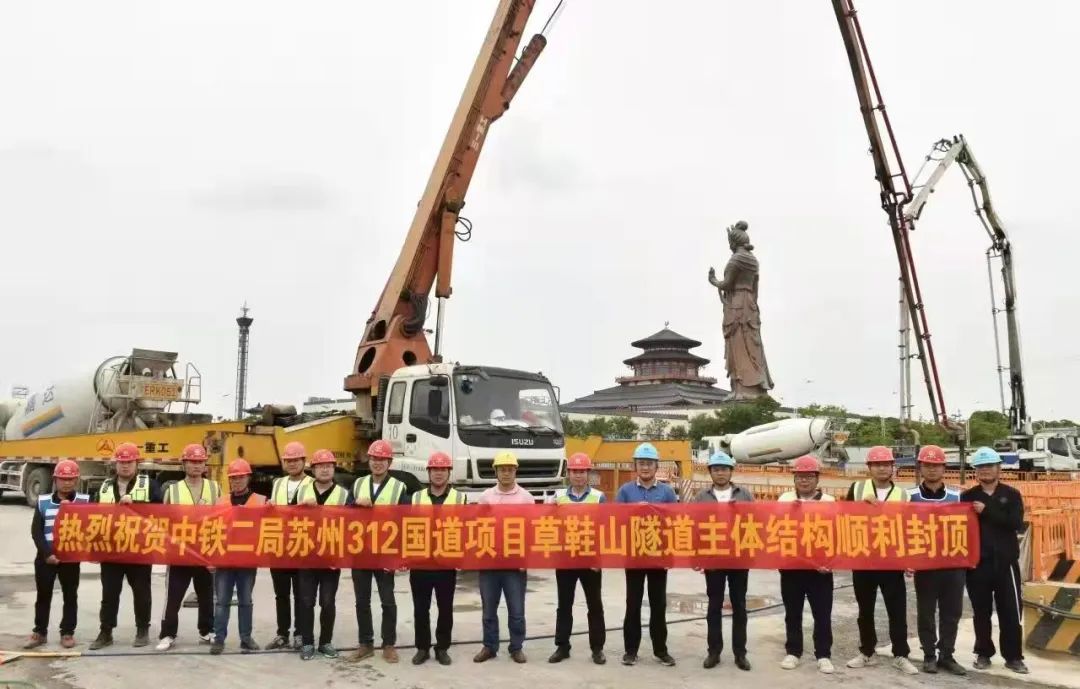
(646, 451)
(721, 459)
(984, 456)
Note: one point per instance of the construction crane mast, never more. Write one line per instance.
(895, 193)
(944, 154)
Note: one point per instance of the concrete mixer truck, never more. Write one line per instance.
(784, 439)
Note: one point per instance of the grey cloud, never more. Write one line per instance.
(286, 194)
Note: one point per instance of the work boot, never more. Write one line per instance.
(103, 639)
(485, 654)
(217, 647)
(742, 663)
(982, 663)
(35, 641)
(711, 661)
(421, 656)
(442, 656)
(248, 645)
(67, 641)
(389, 654)
(142, 638)
(1017, 666)
(559, 655)
(952, 667)
(518, 656)
(278, 642)
(363, 652)
(598, 657)
(929, 666)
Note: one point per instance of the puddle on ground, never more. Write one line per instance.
(698, 604)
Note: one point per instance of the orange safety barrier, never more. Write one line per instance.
(1054, 537)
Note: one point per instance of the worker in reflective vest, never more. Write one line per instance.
(440, 582)
(937, 589)
(379, 489)
(128, 486)
(877, 489)
(47, 568)
(722, 490)
(193, 489)
(239, 579)
(579, 492)
(285, 491)
(801, 586)
(321, 584)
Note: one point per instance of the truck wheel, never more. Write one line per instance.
(38, 483)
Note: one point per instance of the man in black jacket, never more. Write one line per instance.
(995, 582)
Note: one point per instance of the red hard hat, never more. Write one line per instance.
(239, 467)
(879, 453)
(295, 450)
(194, 453)
(380, 449)
(66, 468)
(579, 461)
(806, 464)
(440, 460)
(323, 457)
(932, 454)
(127, 452)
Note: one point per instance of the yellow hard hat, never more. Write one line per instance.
(506, 458)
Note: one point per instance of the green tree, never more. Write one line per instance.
(656, 428)
(737, 417)
(706, 424)
(622, 427)
(827, 410)
(598, 425)
(987, 427)
(677, 433)
(573, 428)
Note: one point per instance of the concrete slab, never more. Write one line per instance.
(190, 667)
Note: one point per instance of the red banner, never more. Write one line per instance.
(762, 535)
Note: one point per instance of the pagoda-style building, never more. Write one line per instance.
(666, 375)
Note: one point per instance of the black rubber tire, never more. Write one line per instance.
(38, 482)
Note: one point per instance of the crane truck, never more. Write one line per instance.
(405, 391)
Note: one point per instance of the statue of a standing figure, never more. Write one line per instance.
(744, 354)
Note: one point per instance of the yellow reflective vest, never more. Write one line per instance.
(279, 491)
(180, 494)
(140, 492)
(389, 492)
(338, 495)
(423, 497)
(591, 497)
(864, 488)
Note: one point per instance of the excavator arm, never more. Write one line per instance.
(394, 334)
(942, 156)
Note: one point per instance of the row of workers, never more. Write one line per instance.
(995, 580)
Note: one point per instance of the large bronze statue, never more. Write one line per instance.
(744, 354)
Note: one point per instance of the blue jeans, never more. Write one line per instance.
(493, 584)
(225, 580)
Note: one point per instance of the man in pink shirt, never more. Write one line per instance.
(494, 583)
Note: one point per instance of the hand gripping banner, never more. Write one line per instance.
(764, 535)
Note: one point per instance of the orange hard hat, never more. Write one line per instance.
(932, 454)
(127, 452)
(323, 457)
(807, 464)
(66, 468)
(440, 460)
(294, 450)
(380, 449)
(579, 461)
(879, 454)
(194, 453)
(239, 467)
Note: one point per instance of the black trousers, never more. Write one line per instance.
(635, 591)
(714, 587)
(324, 582)
(798, 586)
(286, 598)
(996, 585)
(112, 585)
(894, 591)
(45, 576)
(939, 590)
(566, 581)
(424, 583)
(177, 580)
(362, 588)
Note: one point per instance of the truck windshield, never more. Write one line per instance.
(506, 402)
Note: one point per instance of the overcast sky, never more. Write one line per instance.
(163, 162)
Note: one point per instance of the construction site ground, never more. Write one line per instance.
(190, 666)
